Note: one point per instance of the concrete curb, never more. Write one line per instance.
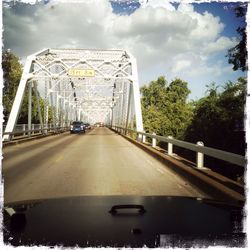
(198, 178)
(32, 138)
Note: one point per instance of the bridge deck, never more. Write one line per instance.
(98, 163)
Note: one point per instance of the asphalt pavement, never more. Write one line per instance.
(97, 163)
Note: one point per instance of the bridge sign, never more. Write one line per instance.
(81, 72)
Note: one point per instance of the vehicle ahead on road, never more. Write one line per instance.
(124, 221)
(77, 127)
(87, 126)
(99, 124)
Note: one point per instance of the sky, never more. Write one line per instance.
(176, 40)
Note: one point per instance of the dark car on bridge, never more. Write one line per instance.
(77, 127)
(87, 126)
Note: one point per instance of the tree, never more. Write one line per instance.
(164, 107)
(218, 122)
(238, 54)
(219, 117)
(12, 72)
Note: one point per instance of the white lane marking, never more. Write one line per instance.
(158, 169)
(149, 162)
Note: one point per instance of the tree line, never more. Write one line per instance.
(12, 72)
(216, 119)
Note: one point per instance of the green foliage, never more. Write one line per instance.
(12, 72)
(238, 54)
(219, 117)
(216, 119)
(164, 107)
(23, 116)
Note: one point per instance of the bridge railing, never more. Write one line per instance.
(199, 147)
(22, 131)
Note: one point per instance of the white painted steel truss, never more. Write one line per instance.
(81, 84)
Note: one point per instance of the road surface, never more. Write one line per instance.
(98, 163)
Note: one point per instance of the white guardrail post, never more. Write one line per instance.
(46, 130)
(32, 128)
(200, 156)
(23, 129)
(143, 137)
(170, 146)
(199, 147)
(153, 141)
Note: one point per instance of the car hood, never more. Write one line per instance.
(91, 221)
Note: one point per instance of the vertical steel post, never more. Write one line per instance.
(57, 109)
(111, 117)
(136, 92)
(52, 104)
(121, 98)
(46, 107)
(64, 108)
(16, 107)
(132, 111)
(114, 114)
(129, 106)
(38, 105)
(79, 115)
(29, 107)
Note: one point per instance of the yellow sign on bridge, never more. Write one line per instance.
(81, 72)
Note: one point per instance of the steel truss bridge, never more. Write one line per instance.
(99, 86)
(80, 84)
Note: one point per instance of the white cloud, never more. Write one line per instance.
(203, 69)
(222, 43)
(181, 65)
(185, 8)
(157, 4)
(176, 40)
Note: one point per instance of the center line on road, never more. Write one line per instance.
(59, 158)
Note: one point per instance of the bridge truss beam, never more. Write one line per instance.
(80, 84)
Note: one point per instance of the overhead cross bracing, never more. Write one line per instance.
(81, 84)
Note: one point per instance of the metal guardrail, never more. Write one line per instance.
(199, 147)
(23, 133)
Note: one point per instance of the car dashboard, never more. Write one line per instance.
(124, 221)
